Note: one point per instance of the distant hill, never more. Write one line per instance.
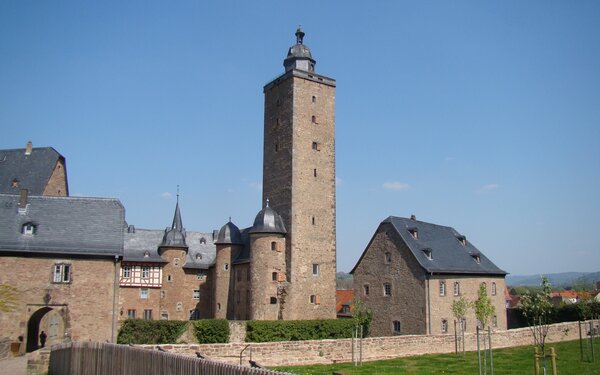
(343, 280)
(556, 279)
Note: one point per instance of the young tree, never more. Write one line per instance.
(537, 309)
(362, 315)
(8, 297)
(459, 310)
(483, 307)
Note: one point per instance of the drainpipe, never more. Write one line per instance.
(112, 335)
(428, 304)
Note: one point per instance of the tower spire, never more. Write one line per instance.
(177, 223)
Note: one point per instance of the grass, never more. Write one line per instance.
(518, 360)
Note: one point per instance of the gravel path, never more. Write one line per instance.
(14, 366)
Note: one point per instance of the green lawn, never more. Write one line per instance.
(517, 360)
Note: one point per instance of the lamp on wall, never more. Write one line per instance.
(47, 297)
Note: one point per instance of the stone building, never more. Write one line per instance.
(41, 170)
(62, 255)
(412, 271)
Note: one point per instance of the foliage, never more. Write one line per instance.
(585, 307)
(537, 310)
(293, 330)
(211, 331)
(362, 316)
(460, 307)
(483, 307)
(138, 331)
(506, 361)
(8, 297)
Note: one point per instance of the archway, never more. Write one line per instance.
(33, 328)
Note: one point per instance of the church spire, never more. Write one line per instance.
(177, 223)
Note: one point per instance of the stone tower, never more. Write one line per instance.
(229, 243)
(299, 179)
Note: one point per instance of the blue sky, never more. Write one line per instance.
(484, 116)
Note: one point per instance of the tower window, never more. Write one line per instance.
(315, 299)
(274, 276)
(313, 119)
(313, 220)
(315, 146)
(226, 267)
(315, 172)
(202, 241)
(396, 327)
(387, 289)
(314, 99)
(276, 147)
(316, 269)
(176, 261)
(273, 300)
(196, 294)
(169, 278)
(274, 246)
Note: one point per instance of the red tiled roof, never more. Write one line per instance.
(343, 297)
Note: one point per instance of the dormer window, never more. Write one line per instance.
(28, 229)
(146, 254)
(198, 256)
(428, 253)
(476, 258)
(203, 241)
(414, 233)
(462, 240)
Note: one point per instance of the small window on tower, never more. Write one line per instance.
(313, 220)
(273, 300)
(315, 172)
(314, 99)
(315, 146)
(276, 147)
(274, 276)
(274, 246)
(314, 119)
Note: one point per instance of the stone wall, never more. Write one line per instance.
(57, 184)
(5, 348)
(376, 348)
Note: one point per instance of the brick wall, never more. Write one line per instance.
(57, 184)
(376, 348)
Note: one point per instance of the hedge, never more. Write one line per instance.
(138, 331)
(293, 330)
(211, 331)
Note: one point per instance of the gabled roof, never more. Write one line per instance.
(32, 171)
(139, 242)
(450, 252)
(63, 225)
(344, 297)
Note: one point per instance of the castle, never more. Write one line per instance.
(91, 269)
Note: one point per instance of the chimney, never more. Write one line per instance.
(28, 148)
(23, 199)
(413, 217)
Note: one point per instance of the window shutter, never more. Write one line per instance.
(281, 277)
(318, 300)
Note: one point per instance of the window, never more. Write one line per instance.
(273, 300)
(315, 299)
(127, 272)
(163, 294)
(314, 99)
(274, 246)
(316, 269)
(313, 119)
(62, 273)
(202, 241)
(274, 276)
(146, 254)
(176, 261)
(388, 257)
(444, 326)
(164, 315)
(196, 294)
(442, 288)
(387, 289)
(179, 306)
(462, 240)
(145, 272)
(494, 321)
(315, 146)
(144, 293)
(313, 220)
(131, 314)
(218, 307)
(463, 324)
(414, 233)
(476, 258)
(28, 229)
(396, 324)
(345, 309)
(194, 314)
(493, 289)
(226, 267)
(200, 275)
(315, 172)
(148, 314)
(169, 278)
(428, 254)
(366, 290)
(276, 147)
(456, 288)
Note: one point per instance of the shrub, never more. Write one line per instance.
(211, 331)
(293, 330)
(137, 331)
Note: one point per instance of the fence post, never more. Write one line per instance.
(536, 361)
(478, 351)
(592, 338)
(455, 339)
(553, 355)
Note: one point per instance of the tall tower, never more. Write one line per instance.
(299, 179)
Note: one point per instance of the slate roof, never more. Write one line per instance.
(33, 171)
(64, 225)
(139, 241)
(449, 255)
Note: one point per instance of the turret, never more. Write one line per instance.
(229, 244)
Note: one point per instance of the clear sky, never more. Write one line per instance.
(480, 115)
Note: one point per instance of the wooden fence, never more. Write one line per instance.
(92, 358)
